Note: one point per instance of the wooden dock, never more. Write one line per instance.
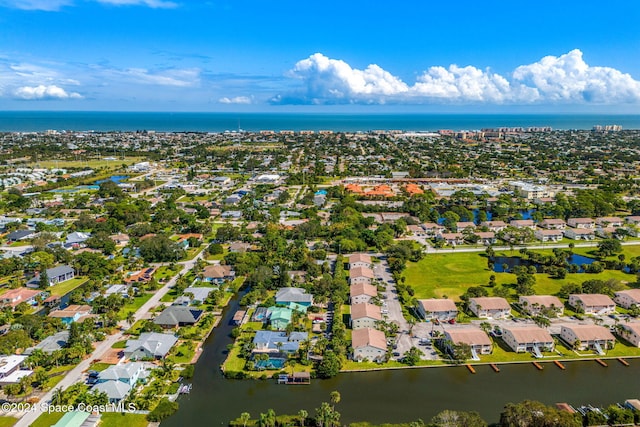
(602, 362)
(298, 378)
(495, 367)
(537, 365)
(624, 362)
(471, 369)
(559, 365)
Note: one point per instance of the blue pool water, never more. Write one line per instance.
(272, 363)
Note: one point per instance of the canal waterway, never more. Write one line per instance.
(398, 395)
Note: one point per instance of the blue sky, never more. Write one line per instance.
(282, 55)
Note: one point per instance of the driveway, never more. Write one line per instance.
(392, 306)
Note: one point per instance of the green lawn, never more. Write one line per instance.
(63, 288)
(100, 366)
(451, 274)
(7, 421)
(183, 353)
(133, 304)
(116, 419)
(119, 344)
(164, 272)
(47, 419)
(191, 253)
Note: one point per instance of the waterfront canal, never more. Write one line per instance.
(400, 395)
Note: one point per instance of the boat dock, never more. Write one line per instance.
(559, 365)
(495, 367)
(537, 365)
(471, 369)
(298, 378)
(624, 362)
(602, 362)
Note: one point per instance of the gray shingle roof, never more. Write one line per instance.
(175, 315)
(156, 344)
(299, 295)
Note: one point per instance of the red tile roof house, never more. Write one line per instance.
(584, 337)
(476, 338)
(535, 304)
(365, 316)
(360, 275)
(627, 298)
(13, 297)
(359, 260)
(631, 332)
(362, 293)
(490, 307)
(553, 224)
(581, 223)
(437, 308)
(369, 344)
(597, 304)
(528, 338)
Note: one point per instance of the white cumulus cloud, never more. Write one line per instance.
(568, 78)
(565, 79)
(332, 78)
(44, 92)
(235, 100)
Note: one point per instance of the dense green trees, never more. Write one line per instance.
(160, 248)
(535, 414)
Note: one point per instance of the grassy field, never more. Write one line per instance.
(7, 421)
(451, 274)
(116, 419)
(92, 164)
(63, 288)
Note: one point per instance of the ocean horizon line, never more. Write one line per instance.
(126, 121)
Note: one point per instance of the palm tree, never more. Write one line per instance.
(303, 416)
(245, 417)
(131, 318)
(335, 397)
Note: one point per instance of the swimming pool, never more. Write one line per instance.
(272, 363)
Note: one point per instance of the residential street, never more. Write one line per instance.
(76, 374)
(392, 305)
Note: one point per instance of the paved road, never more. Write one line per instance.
(76, 374)
(393, 306)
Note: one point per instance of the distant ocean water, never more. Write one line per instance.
(34, 121)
